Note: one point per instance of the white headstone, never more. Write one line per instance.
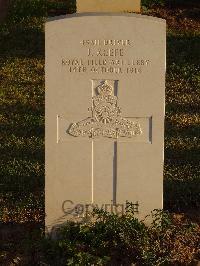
(105, 98)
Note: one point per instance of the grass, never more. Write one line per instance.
(182, 143)
(22, 116)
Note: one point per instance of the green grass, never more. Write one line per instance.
(182, 143)
(22, 117)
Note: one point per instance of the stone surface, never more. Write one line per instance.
(105, 97)
(108, 6)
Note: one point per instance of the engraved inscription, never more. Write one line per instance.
(106, 42)
(106, 56)
(106, 52)
(106, 119)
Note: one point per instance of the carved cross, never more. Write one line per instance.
(106, 121)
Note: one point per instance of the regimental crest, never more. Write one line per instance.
(106, 119)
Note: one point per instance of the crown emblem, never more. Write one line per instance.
(105, 89)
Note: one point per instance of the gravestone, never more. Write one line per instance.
(105, 97)
(108, 6)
